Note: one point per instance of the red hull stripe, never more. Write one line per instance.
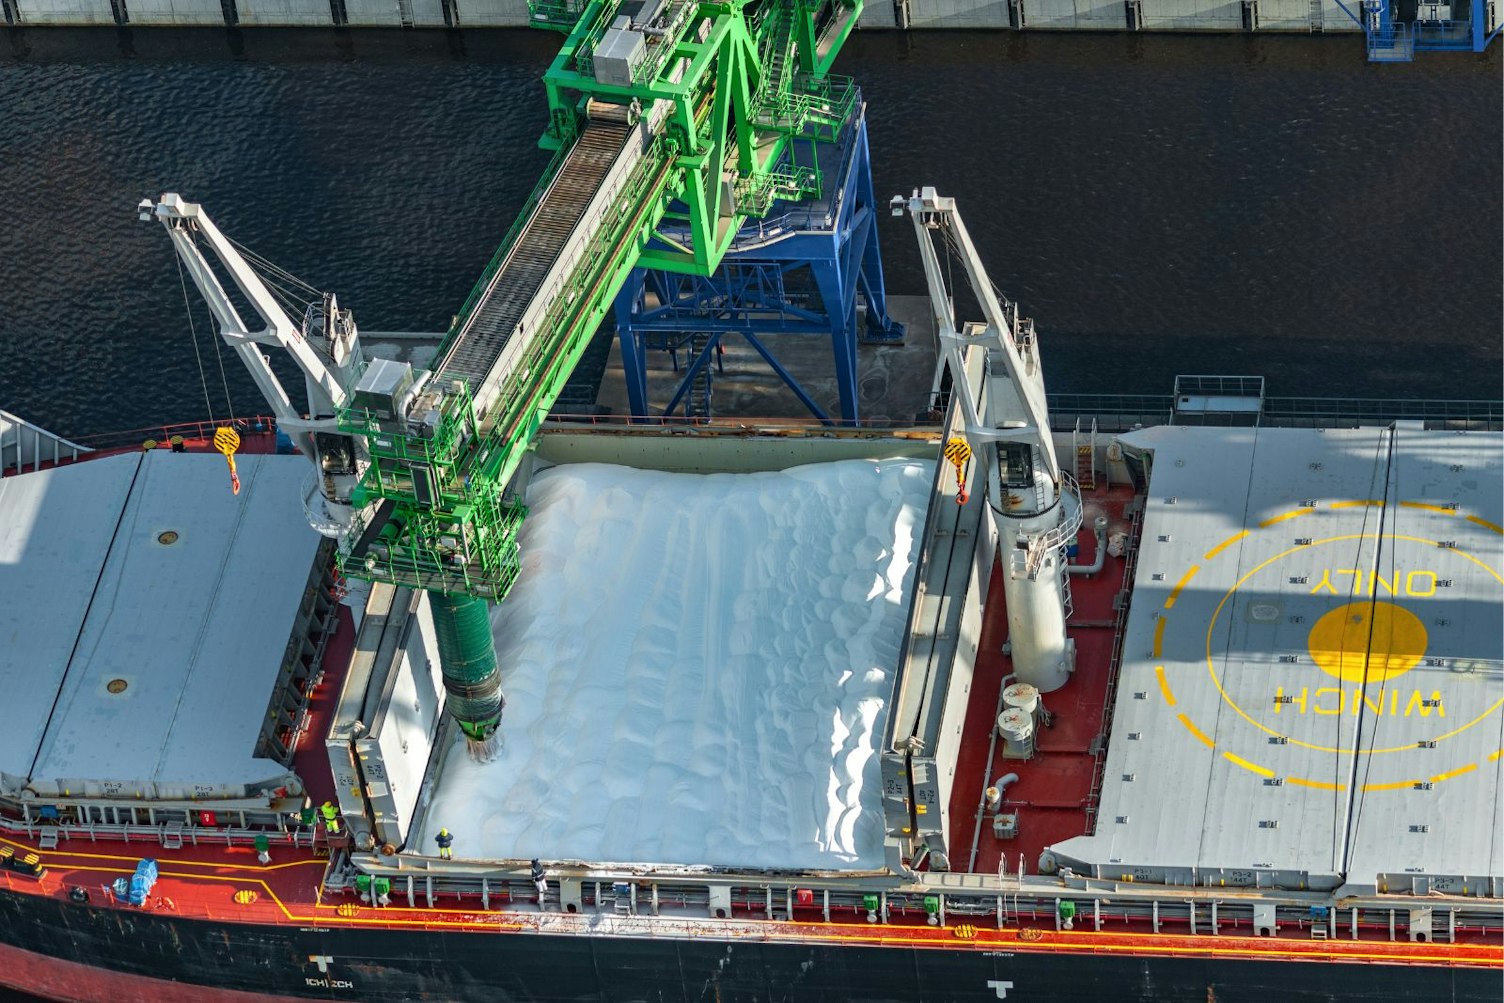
(69, 981)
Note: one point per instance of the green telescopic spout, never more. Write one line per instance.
(467, 661)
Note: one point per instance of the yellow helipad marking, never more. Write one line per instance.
(1459, 771)
(1318, 784)
(1368, 641)
(1371, 502)
(1293, 514)
(1164, 685)
(1428, 507)
(1400, 785)
(1486, 524)
(1211, 665)
(1175, 592)
(1247, 765)
(1226, 543)
(1190, 726)
(1159, 636)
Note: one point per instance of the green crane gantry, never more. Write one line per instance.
(673, 122)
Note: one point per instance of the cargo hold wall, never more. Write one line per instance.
(387, 718)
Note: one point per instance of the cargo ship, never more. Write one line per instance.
(435, 685)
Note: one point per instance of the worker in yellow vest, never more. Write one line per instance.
(331, 818)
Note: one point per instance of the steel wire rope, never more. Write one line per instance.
(955, 249)
(218, 353)
(273, 267)
(193, 334)
(1225, 651)
(1341, 863)
(1355, 813)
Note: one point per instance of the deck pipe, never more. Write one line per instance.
(1099, 530)
(467, 662)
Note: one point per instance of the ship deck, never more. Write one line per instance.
(215, 875)
(1053, 797)
(142, 592)
(1311, 675)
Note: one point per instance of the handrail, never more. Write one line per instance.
(163, 434)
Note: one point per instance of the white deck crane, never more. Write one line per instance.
(1035, 504)
(324, 344)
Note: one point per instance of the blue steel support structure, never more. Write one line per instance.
(798, 271)
(1436, 28)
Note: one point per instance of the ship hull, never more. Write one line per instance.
(82, 952)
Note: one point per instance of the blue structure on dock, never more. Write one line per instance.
(1435, 28)
(805, 268)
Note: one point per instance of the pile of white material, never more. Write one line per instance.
(696, 669)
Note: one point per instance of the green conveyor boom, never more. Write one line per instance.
(719, 98)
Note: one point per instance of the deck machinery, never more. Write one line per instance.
(673, 122)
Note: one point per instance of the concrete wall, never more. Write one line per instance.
(959, 14)
(66, 12)
(492, 13)
(877, 14)
(174, 12)
(1192, 15)
(1089, 15)
(280, 13)
(1060, 15)
(284, 13)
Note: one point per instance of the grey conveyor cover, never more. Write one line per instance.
(479, 344)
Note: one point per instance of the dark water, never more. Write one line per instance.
(1158, 204)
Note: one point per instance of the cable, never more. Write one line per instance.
(193, 333)
(1360, 792)
(274, 268)
(218, 357)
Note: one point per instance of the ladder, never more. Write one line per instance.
(405, 12)
(697, 400)
(1066, 601)
(1085, 450)
(1318, 17)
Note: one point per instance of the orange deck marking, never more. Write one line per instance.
(1226, 543)
(1297, 513)
(1164, 685)
(1175, 592)
(1191, 727)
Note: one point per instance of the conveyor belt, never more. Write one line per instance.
(483, 339)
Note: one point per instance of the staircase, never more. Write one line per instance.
(1085, 448)
(697, 400)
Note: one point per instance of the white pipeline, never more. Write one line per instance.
(1099, 531)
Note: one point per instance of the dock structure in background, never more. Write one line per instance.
(1393, 32)
(805, 268)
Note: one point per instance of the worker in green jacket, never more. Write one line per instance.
(331, 818)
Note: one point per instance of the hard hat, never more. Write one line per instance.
(443, 832)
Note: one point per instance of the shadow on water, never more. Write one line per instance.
(1158, 204)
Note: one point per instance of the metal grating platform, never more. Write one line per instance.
(1311, 691)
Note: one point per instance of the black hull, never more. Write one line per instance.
(392, 965)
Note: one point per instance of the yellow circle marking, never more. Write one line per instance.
(1364, 642)
(1211, 666)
